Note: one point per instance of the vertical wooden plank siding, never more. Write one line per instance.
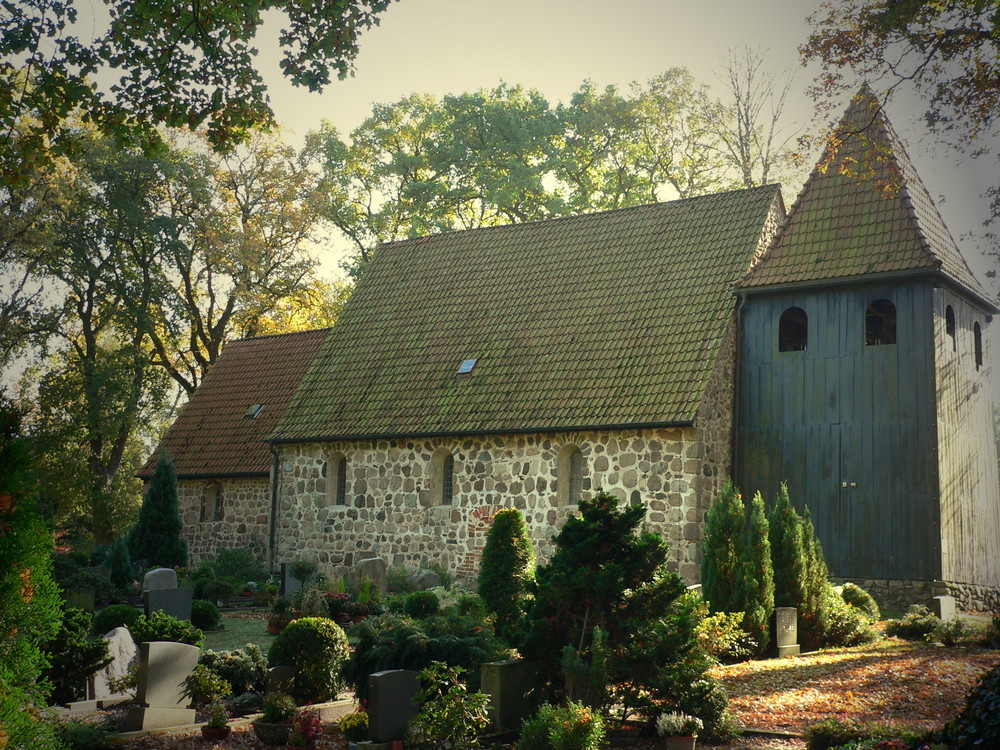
(846, 412)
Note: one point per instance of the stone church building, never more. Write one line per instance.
(652, 351)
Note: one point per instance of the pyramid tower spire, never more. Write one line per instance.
(863, 212)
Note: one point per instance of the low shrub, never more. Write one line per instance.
(115, 616)
(214, 589)
(278, 708)
(245, 703)
(449, 715)
(421, 604)
(723, 636)
(835, 733)
(860, 599)
(74, 656)
(354, 726)
(978, 723)
(205, 686)
(317, 648)
(916, 624)
(160, 626)
(569, 727)
(104, 590)
(99, 555)
(80, 735)
(205, 615)
(239, 563)
(846, 625)
(950, 632)
(245, 668)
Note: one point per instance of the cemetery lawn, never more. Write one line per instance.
(905, 682)
(241, 628)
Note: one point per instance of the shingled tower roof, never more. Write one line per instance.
(221, 429)
(601, 320)
(863, 211)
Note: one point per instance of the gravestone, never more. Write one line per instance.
(390, 703)
(425, 579)
(123, 653)
(784, 625)
(374, 569)
(511, 687)
(160, 592)
(279, 679)
(289, 583)
(944, 607)
(159, 578)
(80, 599)
(160, 696)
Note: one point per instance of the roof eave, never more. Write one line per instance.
(496, 431)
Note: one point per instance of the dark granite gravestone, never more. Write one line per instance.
(784, 625)
(160, 695)
(390, 703)
(175, 602)
(511, 687)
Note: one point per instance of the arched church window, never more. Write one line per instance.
(335, 471)
(880, 323)
(443, 476)
(569, 476)
(977, 333)
(949, 326)
(793, 330)
(211, 503)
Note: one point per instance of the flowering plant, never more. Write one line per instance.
(218, 717)
(677, 724)
(354, 726)
(305, 728)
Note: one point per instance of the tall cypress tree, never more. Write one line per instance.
(720, 551)
(815, 582)
(756, 580)
(156, 536)
(787, 551)
(507, 569)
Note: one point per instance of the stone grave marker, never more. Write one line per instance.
(374, 569)
(289, 583)
(510, 686)
(160, 698)
(390, 703)
(123, 653)
(159, 578)
(785, 625)
(425, 579)
(160, 592)
(944, 607)
(279, 679)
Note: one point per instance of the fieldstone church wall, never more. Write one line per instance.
(245, 522)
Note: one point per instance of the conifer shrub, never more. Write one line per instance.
(421, 604)
(156, 536)
(846, 625)
(755, 583)
(115, 616)
(245, 669)
(978, 724)
(317, 648)
(721, 551)
(120, 564)
(73, 656)
(857, 597)
(570, 727)
(159, 626)
(506, 570)
(917, 623)
(205, 615)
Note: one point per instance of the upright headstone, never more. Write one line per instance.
(289, 583)
(944, 607)
(123, 653)
(279, 679)
(164, 666)
(159, 578)
(511, 687)
(374, 569)
(80, 599)
(785, 626)
(160, 592)
(390, 703)
(425, 579)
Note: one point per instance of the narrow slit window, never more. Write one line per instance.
(569, 476)
(447, 479)
(793, 330)
(949, 326)
(880, 323)
(211, 503)
(977, 333)
(335, 472)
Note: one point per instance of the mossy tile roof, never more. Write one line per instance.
(603, 319)
(862, 211)
(212, 435)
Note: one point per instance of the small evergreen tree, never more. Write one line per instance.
(721, 558)
(787, 551)
(506, 570)
(156, 536)
(815, 583)
(756, 579)
(119, 563)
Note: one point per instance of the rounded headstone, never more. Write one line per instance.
(159, 578)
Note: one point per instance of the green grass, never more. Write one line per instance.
(238, 633)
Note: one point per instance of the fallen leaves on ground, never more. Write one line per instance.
(909, 683)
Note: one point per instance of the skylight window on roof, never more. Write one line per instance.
(466, 367)
(254, 411)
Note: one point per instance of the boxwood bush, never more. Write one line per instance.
(317, 648)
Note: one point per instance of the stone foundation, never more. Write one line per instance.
(897, 595)
(245, 522)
